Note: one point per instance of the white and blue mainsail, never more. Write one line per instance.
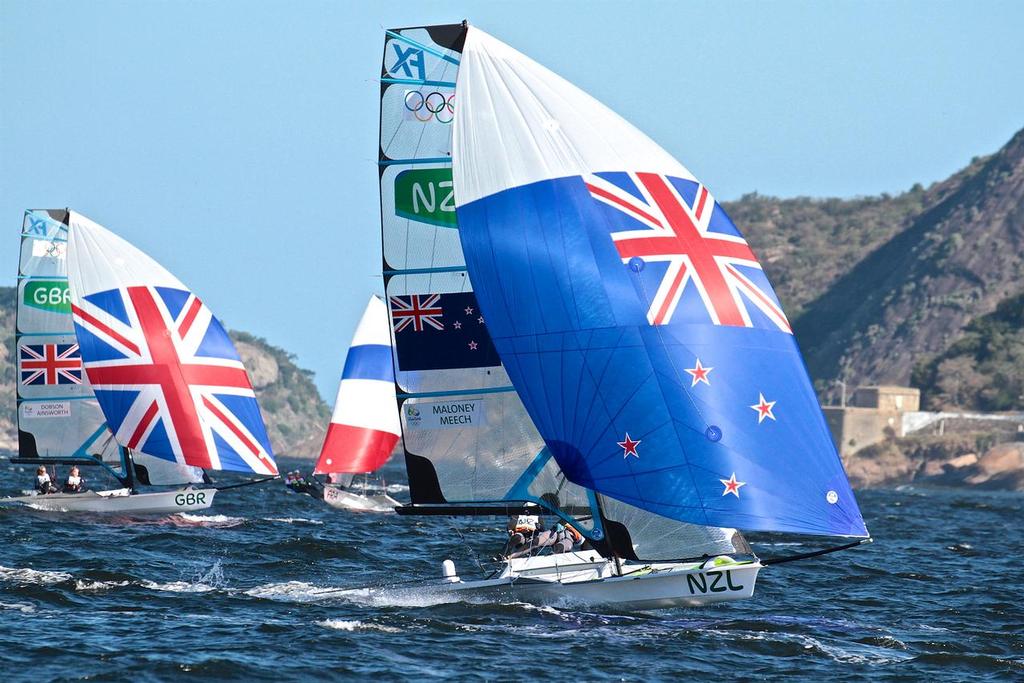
(467, 436)
(58, 415)
(629, 312)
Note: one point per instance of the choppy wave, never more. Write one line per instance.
(296, 591)
(269, 585)
(294, 520)
(356, 625)
(84, 586)
(26, 575)
(23, 607)
(216, 521)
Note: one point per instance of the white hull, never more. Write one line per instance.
(119, 501)
(586, 579)
(347, 500)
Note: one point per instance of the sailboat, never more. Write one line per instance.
(581, 331)
(364, 427)
(124, 370)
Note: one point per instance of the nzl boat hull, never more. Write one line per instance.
(347, 500)
(120, 501)
(581, 579)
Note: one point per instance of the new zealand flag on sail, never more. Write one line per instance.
(441, 332)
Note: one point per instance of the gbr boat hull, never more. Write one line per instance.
(119, 501)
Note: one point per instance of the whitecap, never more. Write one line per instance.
(295, 591)
(36, 576)
(214, 521)
(84, 586)
(356, 625)
(408, 596)
(396, 488)
(204, 582)
(22, 607)
(292, 520)
(179, 587)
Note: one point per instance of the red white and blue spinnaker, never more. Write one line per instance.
(365, 427)
(167, 376)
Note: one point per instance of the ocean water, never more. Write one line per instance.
(260, 587)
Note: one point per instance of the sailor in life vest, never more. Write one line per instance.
(74, 483)
(527, 536)
(43, 483)
(297, 482)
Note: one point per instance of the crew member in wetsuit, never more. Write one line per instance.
(298, 483)
(43, 483)
(75, 483)
(527, 536)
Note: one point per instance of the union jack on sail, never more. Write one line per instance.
(678, 232)
(50, 364)
(169, 380)
(417, 311)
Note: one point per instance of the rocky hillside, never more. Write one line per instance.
(984, 369)
(295, 414)
(914, 295)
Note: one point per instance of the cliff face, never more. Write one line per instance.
(295, 415)
(913, 296)
(984, 369)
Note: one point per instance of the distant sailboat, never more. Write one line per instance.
(619, 359)
(364, 428)
(122, 368)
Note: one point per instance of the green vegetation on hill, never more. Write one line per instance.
(296, 416)
(807, 244)
(913, 295)
(984, 369)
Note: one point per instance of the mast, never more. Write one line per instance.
(58, 415)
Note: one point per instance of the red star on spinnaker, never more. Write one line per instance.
(628, 447)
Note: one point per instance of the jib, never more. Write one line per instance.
(699, 582)
(190, 498)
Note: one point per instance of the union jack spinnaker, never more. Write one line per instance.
(167, 377)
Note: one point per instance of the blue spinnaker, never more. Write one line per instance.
(634, 321)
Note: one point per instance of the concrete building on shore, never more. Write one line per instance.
(873, 414)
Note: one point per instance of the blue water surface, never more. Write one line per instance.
(256, 588)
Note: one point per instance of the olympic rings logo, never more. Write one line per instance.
(433, 105)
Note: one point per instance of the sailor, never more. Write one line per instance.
(521, 532)
(298, 483)
(74, 483)
(43, 483)
(527, 536)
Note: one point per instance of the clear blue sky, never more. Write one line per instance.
(236, 141)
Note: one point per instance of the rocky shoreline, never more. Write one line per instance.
(977, 460)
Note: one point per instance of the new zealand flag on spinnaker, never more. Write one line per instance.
(631, 315)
